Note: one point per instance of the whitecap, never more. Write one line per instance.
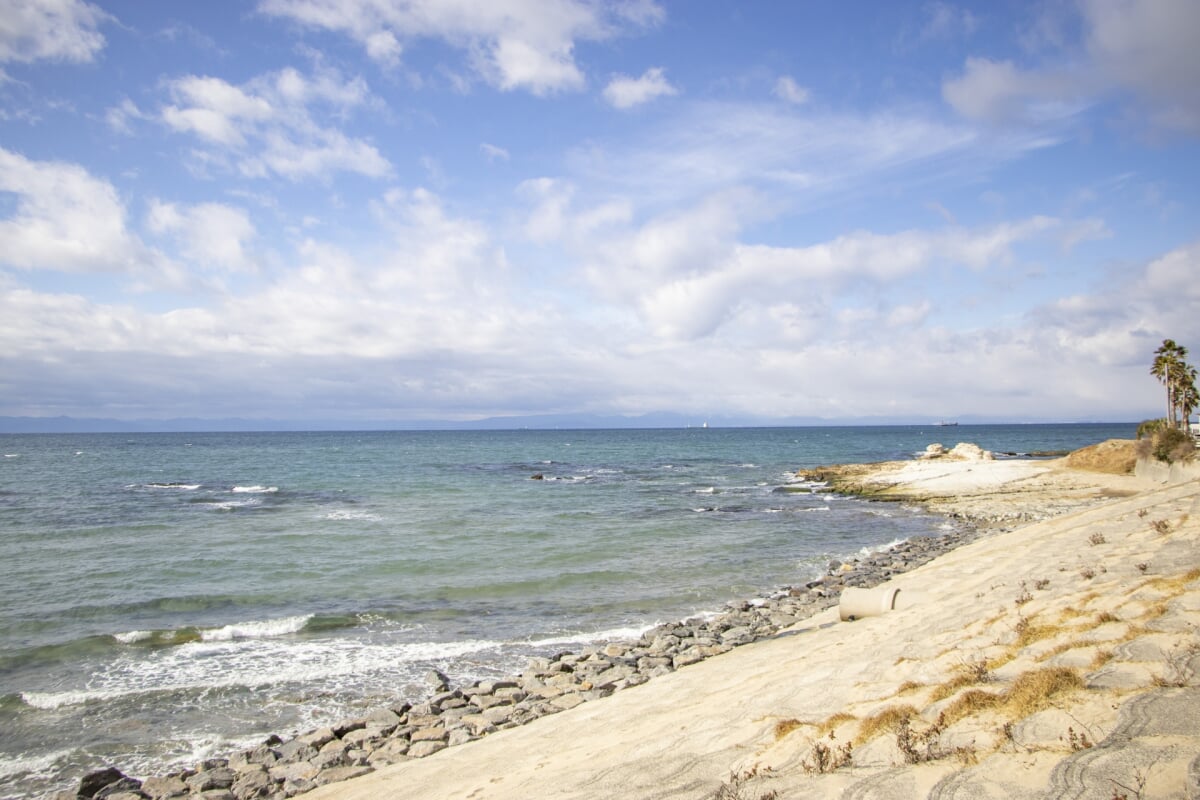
(41, 766)
(351, 515)
(254, 489)
(132, 637)
(12, 455)
(182, 487)
(262, 629)
(48, 701)
(709, 490)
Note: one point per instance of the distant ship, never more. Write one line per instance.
(944, 424)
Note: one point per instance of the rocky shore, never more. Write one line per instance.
(452, 716)
(965, 483)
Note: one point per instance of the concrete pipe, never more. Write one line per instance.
(858, 603)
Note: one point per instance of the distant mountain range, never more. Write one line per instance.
(536, 421)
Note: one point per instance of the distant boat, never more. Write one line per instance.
(944, 424)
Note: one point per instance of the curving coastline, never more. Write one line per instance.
(776, 626)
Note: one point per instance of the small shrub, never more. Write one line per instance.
(1149, 427)
(1041, 584)
(1161, 527)
(738, 786)
(1078, 741)
(1142, 566)
(825, 758)
(1097, 538)
(1173, 445)
(1087, 573)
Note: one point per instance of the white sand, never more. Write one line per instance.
(1099, 588)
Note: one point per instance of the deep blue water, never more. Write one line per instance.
(168, 596)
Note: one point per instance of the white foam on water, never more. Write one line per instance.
(232, 505)
(48, 701)
(254, 489)
(132, 637)
(12, 455)
(867, 551)
(610, 635)
(351, 515)
(40, 766)
(261, 629)
(257, 664)
(709, 490)
(182, 487)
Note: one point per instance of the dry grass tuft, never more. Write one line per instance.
(969, 674)
(884, 721)
(909, 686)
(1028, 633)
(972, 702)
(785, 726)
(834, 722)
(1106, 616)
(1033, 690)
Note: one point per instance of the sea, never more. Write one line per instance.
(169, 597)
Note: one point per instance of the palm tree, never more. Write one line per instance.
(1167, 362)
(1186, 396)
(1179, 378)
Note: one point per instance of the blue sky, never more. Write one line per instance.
(456, 209)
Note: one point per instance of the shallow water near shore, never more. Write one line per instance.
(170, 596)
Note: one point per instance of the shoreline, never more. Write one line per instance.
(455, 716)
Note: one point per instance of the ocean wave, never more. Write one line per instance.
(881, 548)
(42, 766)
(611, 635)
(256, 489)
(262, 629)
(239, 665)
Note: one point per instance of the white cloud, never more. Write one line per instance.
(1143, 49)
(626, 92)
(493, 152)
(945, 21)
(787, 89)
(210, 234)
(51, 30)
(119, 117)
(801, 159)
(64, 220)
(1001, 93)
(267, 124)
(513, 44)
(1149, 48)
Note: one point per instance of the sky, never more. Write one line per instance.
(409, 210)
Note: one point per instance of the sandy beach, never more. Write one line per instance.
(1055, 657)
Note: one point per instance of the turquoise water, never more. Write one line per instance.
(170, 596)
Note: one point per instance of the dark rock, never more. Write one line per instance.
(91, 784)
